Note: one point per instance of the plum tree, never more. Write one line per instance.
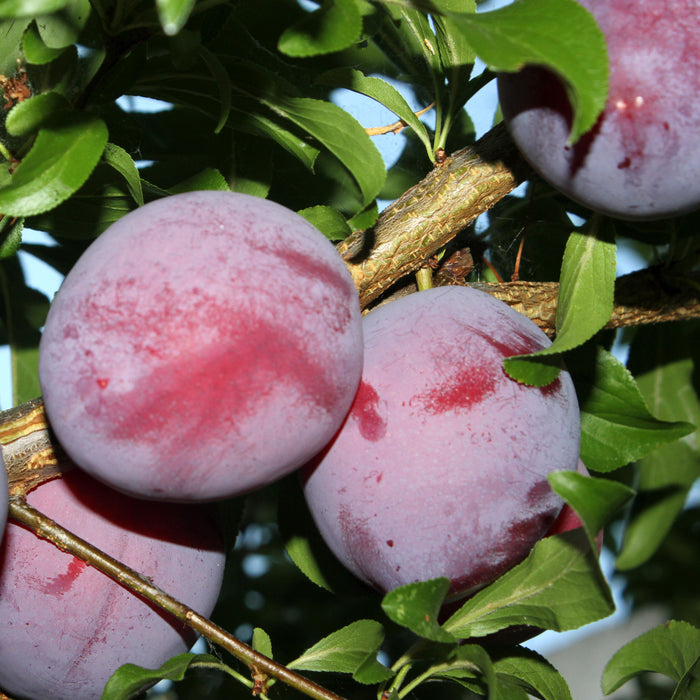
(441, 466)
(205, 345)
(68, 627)
(637, 160)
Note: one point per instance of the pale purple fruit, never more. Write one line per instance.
(641, 160)
(66, 627)
(441, 467)
(3, 495)
(205, 345)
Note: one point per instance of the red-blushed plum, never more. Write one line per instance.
(441, 467)
(66, 627)
(3, 495)
(641, 160)
(203, 346)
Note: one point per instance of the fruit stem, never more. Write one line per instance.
(424, 278)
(45, 528)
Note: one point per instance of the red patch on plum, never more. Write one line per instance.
(366, 412)
(462, 391)
(222, 386)
(62, 583)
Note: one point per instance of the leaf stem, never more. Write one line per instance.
(44, 527)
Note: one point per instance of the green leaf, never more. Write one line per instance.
(559, 586)
(30, 8)
(31, 114)
(12, 32)
(129, 680)
(416, 606)
(334, 26)
(327, 220)
(101, 201)
(666, 475)
(467, 662)
(11, 238)
(117, 158)
(456, 53)
(672, 649)
(533, 370)
(173, 14)
(595, 500)
(223, 81)
(558, 34)
(585, 298)
(532, 672)
(343, 651)
(63, 27)
(261, 642)
(207, 179)
(36, 52)
(342, 135)
(616, 424)
(60, 161)
(586, 287)
(381, 91)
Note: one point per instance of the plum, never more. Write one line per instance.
(441, 467)
(641, 160)
(203, 346)
(4, 494)
(66, 627)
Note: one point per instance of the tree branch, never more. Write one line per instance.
(432, 213)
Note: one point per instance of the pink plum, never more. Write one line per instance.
(205, 345)
(641, 160)
(3, 495)
(441, 467)
(66, 627)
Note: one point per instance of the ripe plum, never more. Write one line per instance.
(641, 160)
(205, 345)
(66, 627)
(441, 467)
(3, 495)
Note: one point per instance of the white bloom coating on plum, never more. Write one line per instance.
(441, 467)
(4, 496)
(205, 345)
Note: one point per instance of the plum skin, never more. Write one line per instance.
(205, 345)
(66, 627)
(441, 467)
(641, 160)
(4, 495)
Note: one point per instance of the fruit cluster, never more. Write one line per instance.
(208, 344)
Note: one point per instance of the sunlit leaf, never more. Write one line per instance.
(61, 159)
(559, 586)
(129, 680)
(344, 651)
(416, 606)
(173, 14)
(585, 298)
(334, 26)
(594, 500)
(30, 114)
(672, 649)
(616, 424)
(329, 221)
